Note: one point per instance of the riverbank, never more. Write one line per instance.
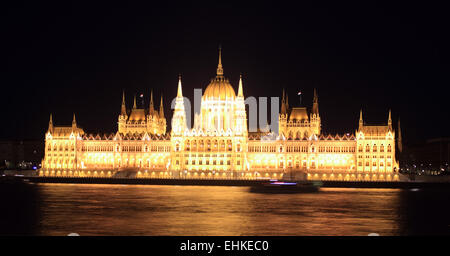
(227, 182)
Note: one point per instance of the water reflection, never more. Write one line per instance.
(60, 209)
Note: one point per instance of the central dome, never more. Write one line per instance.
(219, 89)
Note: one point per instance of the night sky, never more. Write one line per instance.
(63, 58)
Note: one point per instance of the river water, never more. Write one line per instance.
(60, 209)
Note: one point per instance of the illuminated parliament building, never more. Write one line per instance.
(219, 145)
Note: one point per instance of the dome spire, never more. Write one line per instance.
(240, 91)
(134, 102)
(179, 93)
(219, 66)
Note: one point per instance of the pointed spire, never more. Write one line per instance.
(74, 121)
(240, 90)
(219, 66)
(180, 92)
(50, 124)
(283, 103)
(161, 108)
(287, 102)
(361, 122)
(390, 120)
(315, 109)
(123, 110)
(134, 102)
(152, 108)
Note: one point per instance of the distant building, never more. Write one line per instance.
(431, 157)
(220, 146)
(21, 154)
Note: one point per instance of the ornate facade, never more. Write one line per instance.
(219, 144)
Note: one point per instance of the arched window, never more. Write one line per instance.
(374, 148)
(389, 149)
(367, 148)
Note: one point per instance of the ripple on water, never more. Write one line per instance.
(207, 210)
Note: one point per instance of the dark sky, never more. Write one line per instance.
(62, 58)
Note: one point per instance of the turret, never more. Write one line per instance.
(161, 108)
(240, 90)
(283, 103)
(315, 108)
(390, 120)
(361, 122)
(179, 114)
(74, 122)
(123, 110)
(50, 124)
(179, 91)
(240, 114)
(151, 110)
(287, 102)
(314, 116)
(123, 116)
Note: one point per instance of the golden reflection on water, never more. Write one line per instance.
(213, 210)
